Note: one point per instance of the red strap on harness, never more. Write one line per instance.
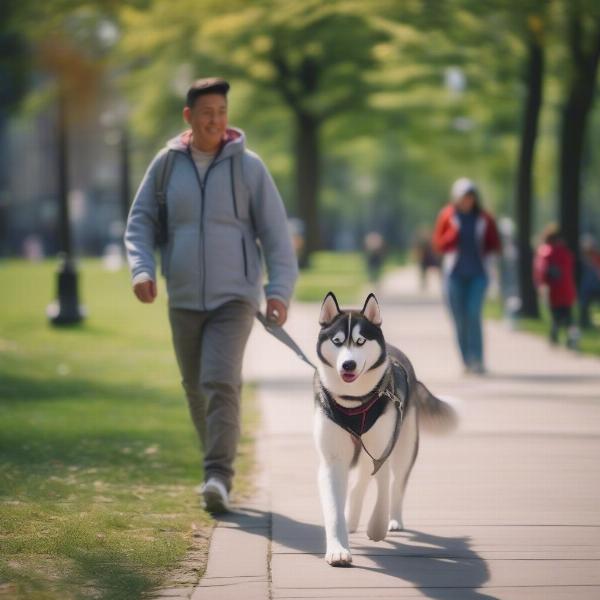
(359, 410)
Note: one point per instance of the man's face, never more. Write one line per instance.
(208, 120)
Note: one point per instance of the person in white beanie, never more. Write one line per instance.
(466, 235)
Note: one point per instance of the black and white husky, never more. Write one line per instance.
(369, 407)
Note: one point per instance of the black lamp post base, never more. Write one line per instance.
(66, 310)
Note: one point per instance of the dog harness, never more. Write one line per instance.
(393, 387)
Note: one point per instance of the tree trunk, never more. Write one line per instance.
(307, 152)
(571, 148)
(4, 191)
(574, 122)
(535, 70)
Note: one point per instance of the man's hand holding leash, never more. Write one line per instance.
(276, 311)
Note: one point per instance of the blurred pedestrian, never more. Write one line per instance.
(589, 288)
(467, 236)
(554, 268)
(425, 255)
(220, 201)
(509, 271)
(374, 246)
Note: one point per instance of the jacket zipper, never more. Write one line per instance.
(202, 184)
(235, 208)
(245, 258)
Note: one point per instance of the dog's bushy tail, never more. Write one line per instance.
(435, 415)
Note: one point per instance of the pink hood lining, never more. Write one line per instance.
(182, 141)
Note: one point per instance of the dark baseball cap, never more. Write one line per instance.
(208, 85)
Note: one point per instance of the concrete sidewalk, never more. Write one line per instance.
(508, 507)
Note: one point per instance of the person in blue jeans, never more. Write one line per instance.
(466, 235)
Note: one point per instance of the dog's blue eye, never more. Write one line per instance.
(337, 342)
(360, 341)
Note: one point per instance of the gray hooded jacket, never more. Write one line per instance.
(212, 255)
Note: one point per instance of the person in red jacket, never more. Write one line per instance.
(466, 235)
(554, 267)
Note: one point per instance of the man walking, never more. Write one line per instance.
(221, 209)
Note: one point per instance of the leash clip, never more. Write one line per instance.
(390, 395)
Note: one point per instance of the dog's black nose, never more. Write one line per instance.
(349, 365)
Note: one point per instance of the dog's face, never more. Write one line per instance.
(351, 344)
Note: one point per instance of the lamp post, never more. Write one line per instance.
(115, 123)
(65, 310)
(125, 186)
(78, 74)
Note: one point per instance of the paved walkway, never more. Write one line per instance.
(508, 507)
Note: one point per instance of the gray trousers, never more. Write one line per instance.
(209, 347)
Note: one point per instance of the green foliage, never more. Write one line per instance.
(98, 456)
(313, 56)
(14, 58)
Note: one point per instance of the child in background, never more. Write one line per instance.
(554, 266)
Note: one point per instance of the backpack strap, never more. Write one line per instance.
(239, 186)
(162, 180)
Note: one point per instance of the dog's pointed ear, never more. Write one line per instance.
(329, 310)
(371, 310)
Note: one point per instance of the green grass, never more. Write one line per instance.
(343, 273)
(590, 339)
(98, 457)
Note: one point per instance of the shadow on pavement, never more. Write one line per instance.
(442, 568)
(453, 571)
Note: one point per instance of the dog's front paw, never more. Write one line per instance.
(339, 557)
(395, 525)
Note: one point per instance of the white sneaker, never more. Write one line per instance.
(216, 498)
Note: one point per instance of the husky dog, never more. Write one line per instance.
(369, 405)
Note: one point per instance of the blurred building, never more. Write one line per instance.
(29, 206)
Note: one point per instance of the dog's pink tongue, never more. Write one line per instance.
(348, 377)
